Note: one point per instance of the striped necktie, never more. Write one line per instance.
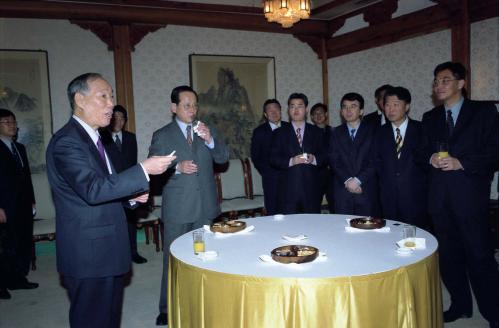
(118, 142)
(398, 142)
(352, 134)
(298, 135)
(188, 134)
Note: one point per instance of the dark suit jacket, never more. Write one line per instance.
(261, 142)
(189, 197)
(475, 143)
(349, 158)
(125, 158)
(373, 118)
(92, 237)
(402, 181)
(16, 188)
(298, 182)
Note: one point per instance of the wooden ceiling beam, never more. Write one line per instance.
(150, 15)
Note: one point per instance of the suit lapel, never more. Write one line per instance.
(91, 146)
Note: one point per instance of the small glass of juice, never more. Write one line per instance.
(409, 235)
(443, 149)
(198, 240)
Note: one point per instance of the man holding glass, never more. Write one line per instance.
(189, 195)
(297, 150)
(459, 187)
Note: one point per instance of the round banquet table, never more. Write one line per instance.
(362, 281)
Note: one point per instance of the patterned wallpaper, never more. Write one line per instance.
(161, 62)
(71, 51)
(407, 63)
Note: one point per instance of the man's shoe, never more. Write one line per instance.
(4, 294)
(452, 315)
(162, 319)
(23, 285)
(138, 259)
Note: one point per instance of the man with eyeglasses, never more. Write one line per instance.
(189, 195)
(355, 185)
(459, 188)
(297, 150)
(17, 204)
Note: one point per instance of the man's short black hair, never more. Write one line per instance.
(380, 90)
(270, 101)
(353, 96)
(6, 113)
(456, 68)
(175, 95)
(317, 106)
(400, 92)
(80, 85)
(122, 110)
(298, 96)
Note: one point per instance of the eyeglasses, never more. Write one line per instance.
(9, 122)
(444, 81)
(353, 106)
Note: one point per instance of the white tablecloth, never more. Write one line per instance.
(348, 254)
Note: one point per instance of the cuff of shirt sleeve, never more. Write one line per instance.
(210, 145)
(145, 172)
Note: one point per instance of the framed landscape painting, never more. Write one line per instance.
(24, 89)
(232, 90)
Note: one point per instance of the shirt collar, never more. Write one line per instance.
(301, 126)
(7, 142)
(119, 134)
(94, 135)
(456, 109)
(402, 127)
(274, 126)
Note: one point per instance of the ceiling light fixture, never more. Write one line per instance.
(286, 12)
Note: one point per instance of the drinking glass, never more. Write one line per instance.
(409, 235)
(198, 240)
(443, 149)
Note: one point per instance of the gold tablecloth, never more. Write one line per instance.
(407, 297)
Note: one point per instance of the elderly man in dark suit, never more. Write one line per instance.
(189, 195)
(17, 203)
(260, 153)
(402, 181)
(350, 157)
(297, 150)
(93, 251)
(121, 146)
(459, 190)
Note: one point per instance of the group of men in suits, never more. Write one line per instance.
(17, 208)
(389, 165)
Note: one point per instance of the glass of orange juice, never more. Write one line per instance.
(443, 149)
(409, 235)
(198, 240)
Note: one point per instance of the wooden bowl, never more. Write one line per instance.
(294, 254)
(367, 223)
(228, 226)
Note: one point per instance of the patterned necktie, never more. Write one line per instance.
(352, 134)
(100, 148)
(450, 122)
(298, 135)
(17, 158)
(398, 142)
(118, 142)
(188, 134)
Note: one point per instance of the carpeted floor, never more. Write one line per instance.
(47, 306)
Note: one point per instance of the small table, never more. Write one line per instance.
(364, 282)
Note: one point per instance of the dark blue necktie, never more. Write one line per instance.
(352, 134)
(118, 142)
(450, 122)
(15, 154)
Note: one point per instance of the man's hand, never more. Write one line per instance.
(187, 167)
(204, 132)
(450, 164)
(353, 186)
(3, 216)
(157, 164)
(434, 160)
(141, 199)
(299, 159)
